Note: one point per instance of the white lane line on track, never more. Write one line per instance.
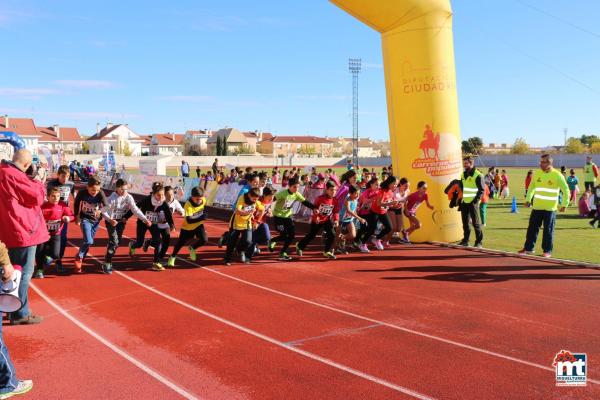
(271, 340)
(338, 332)
(181, 391)
(375, 321)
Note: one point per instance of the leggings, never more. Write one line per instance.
(327, 227)
(51, 249)
(115, 233)
(372, 220)
(155, 241)
(287, 232)
(185, 235)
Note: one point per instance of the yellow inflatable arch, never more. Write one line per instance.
(420, 79)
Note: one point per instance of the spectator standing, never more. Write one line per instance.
(472, 184)
(198, 171)
(573, 183)
(546, 185)
(185, 169)
(528, 181)
(22, 226)
(215, 166)
(590, 173)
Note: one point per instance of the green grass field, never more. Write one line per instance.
(574, 238)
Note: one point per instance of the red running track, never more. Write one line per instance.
(410, 322)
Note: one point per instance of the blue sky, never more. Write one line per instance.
(525, 68)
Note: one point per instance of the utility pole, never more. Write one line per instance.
(565, 131)
(354, 65)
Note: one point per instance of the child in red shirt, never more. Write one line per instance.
(413, 202)
(56, 214)
(364, 205)
(325, 216)
(379, 213)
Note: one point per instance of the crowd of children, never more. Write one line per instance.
(353, 211)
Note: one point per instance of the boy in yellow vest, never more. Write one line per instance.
(545, 187)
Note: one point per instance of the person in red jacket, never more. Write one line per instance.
(325, 216)
(56, 214)
(22, 224)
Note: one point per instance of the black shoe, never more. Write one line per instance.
(463, 243)
(478, 245)
(227, 262)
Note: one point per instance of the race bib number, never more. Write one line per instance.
(53, 226)
(65, 191)
(248, 208)
(117, 215)
(88, 208)
(367, 205)
(326, 209)
(288, 204)
(198, 213)
(152, 216)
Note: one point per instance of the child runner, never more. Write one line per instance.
(89, 203)
(573, 182)
(379, 212)
(67, 189)
(193, 226)
(56, 214)
(400, 195)
(251, 181)
(348, 215)
(241, 225)
(165, 230)
(282, 212)
(154, 209)
(324, 218)
(364, 206)
(413, 202)
(262, 233)
(120, 206)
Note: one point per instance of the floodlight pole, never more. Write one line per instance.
(354, 65)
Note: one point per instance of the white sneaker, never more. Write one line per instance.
(22, 388)
(364, 249)
(377, 243)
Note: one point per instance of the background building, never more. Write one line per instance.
(169, 144)
(118, 138)
(306, 146)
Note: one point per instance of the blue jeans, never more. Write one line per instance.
(25, 257)
(88, 230)
(536, 219)
(8, 378)
(63, 240)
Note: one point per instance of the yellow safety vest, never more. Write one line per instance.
(545, 188)
(588, 173)
(469, 187)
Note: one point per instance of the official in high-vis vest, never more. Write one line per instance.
(546, 185)
(472, 187)
(590, 173)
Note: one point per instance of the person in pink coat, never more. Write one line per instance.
(23, 225)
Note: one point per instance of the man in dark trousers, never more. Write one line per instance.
(472, 186)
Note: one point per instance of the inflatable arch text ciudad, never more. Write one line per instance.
(420, 79)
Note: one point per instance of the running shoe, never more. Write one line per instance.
(285, 256)
(227, 263)
(131, 249)
(48, 261)
(146, 245)
(377, 243)
(78, 265)
(364, 249)
(192, 253)
(386, 245)
(330, 255)
(157, 267)
(171, 262)
(221, 241)
(22, 388)
(546, 254)
(39, 274)
(271, 246)
(478, 245)
(60, 269)
(463, 243)
(299, 251)
(256, 250)
(107, 268)
(592, 223)
(527, 252)
(243, 258)
(405, 237)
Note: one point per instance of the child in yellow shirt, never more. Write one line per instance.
(193, 226)
(241, 224)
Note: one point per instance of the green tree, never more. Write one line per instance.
(225, 150)
(472, 145)
(219, 146)
(574, 146)
(126, 150)
(520, 147)
(588, 140)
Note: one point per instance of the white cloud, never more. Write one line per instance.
(93, 115)
(186, 98)
(323, 97)
(27, 93)
(372, 66)
(86, 84)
